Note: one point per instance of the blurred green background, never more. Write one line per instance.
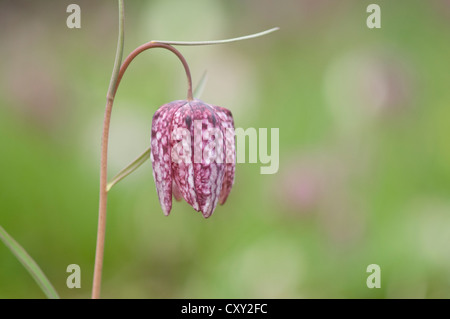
(364, 171)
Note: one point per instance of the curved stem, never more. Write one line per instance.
(150, 45)
(114, 84)
(141, 159)
(98, 266)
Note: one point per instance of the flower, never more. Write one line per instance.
(193, 154)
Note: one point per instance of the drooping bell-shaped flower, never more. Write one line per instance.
(193, 154)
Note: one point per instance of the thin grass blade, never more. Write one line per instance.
(29, 264)
(245, 37)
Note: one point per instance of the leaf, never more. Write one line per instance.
(130, 168)
(200, 86)
(245, 37)
(29, 264)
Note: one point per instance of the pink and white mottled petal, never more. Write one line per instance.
(193, 154)
(176, 192)
(230, 153)
(181, 143)
(209, 173)
(160, 153)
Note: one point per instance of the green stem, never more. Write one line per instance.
(119, 52)
(99, 251)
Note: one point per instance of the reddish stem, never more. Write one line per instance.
(150, 45)
(104, 156)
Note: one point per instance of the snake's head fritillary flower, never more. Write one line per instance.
(193, 154)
